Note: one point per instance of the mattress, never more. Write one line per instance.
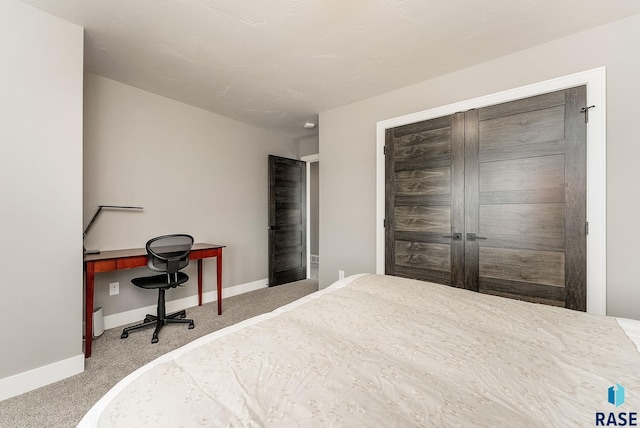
(387, 351)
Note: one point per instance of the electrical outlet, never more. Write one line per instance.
(114, 288)
(340, 274)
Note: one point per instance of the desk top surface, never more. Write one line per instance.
(133, 252)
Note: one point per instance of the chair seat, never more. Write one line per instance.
(159, 281)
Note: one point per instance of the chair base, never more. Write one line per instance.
(152, 320)
(159, 320)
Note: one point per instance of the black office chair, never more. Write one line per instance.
(168, 254)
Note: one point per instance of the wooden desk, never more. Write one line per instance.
(107, 261)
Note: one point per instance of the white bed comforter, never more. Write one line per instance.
(384, 351)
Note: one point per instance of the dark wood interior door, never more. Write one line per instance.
(287, 220)
(511, 180)
(526, 187)
(425, 200)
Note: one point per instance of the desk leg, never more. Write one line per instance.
(89, 286)
(199, 282)
(219, 280)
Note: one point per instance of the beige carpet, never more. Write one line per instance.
(64, 403)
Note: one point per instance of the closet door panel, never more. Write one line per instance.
(427, 260)
(531, 292)
(425, 201)
(538, 126)
(531, 173)
(529, 196)
(576, 200)
(422, 218)
(510, 180)
(524, 167)
(523, 151)
(535, 266)
(527, 226)
(472, 198)
(430, 182)
(534, 103)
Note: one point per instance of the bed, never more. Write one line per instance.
(387, 351)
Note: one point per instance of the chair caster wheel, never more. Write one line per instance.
(154, 340)
(124, 335)
(183, 315)
(191, 326)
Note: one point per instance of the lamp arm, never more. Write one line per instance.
(99, 210)
(93, 220)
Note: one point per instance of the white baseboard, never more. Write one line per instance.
(41, 376)
(135, 315)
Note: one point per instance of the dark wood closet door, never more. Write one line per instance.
(526, 199)
(511, 180)
(287, 220)
(425, 200)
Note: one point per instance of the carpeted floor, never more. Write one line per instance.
(64, 403)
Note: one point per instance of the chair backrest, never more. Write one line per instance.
(169, 253)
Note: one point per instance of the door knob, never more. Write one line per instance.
(473, 237)
(454, 236)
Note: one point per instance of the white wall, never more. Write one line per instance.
(314, 208)
(41, 198)
(309, 145)
(348, 141)
(193, 172)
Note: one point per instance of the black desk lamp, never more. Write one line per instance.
(95, 216)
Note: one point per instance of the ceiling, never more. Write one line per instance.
(277, 64)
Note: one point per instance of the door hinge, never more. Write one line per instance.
(384, 150)
(585, 110)
(384, 223)
(586, 228)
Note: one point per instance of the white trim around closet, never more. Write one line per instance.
(596, 168)
(309, 160)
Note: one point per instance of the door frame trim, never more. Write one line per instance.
(309, 160)
(595, 80)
